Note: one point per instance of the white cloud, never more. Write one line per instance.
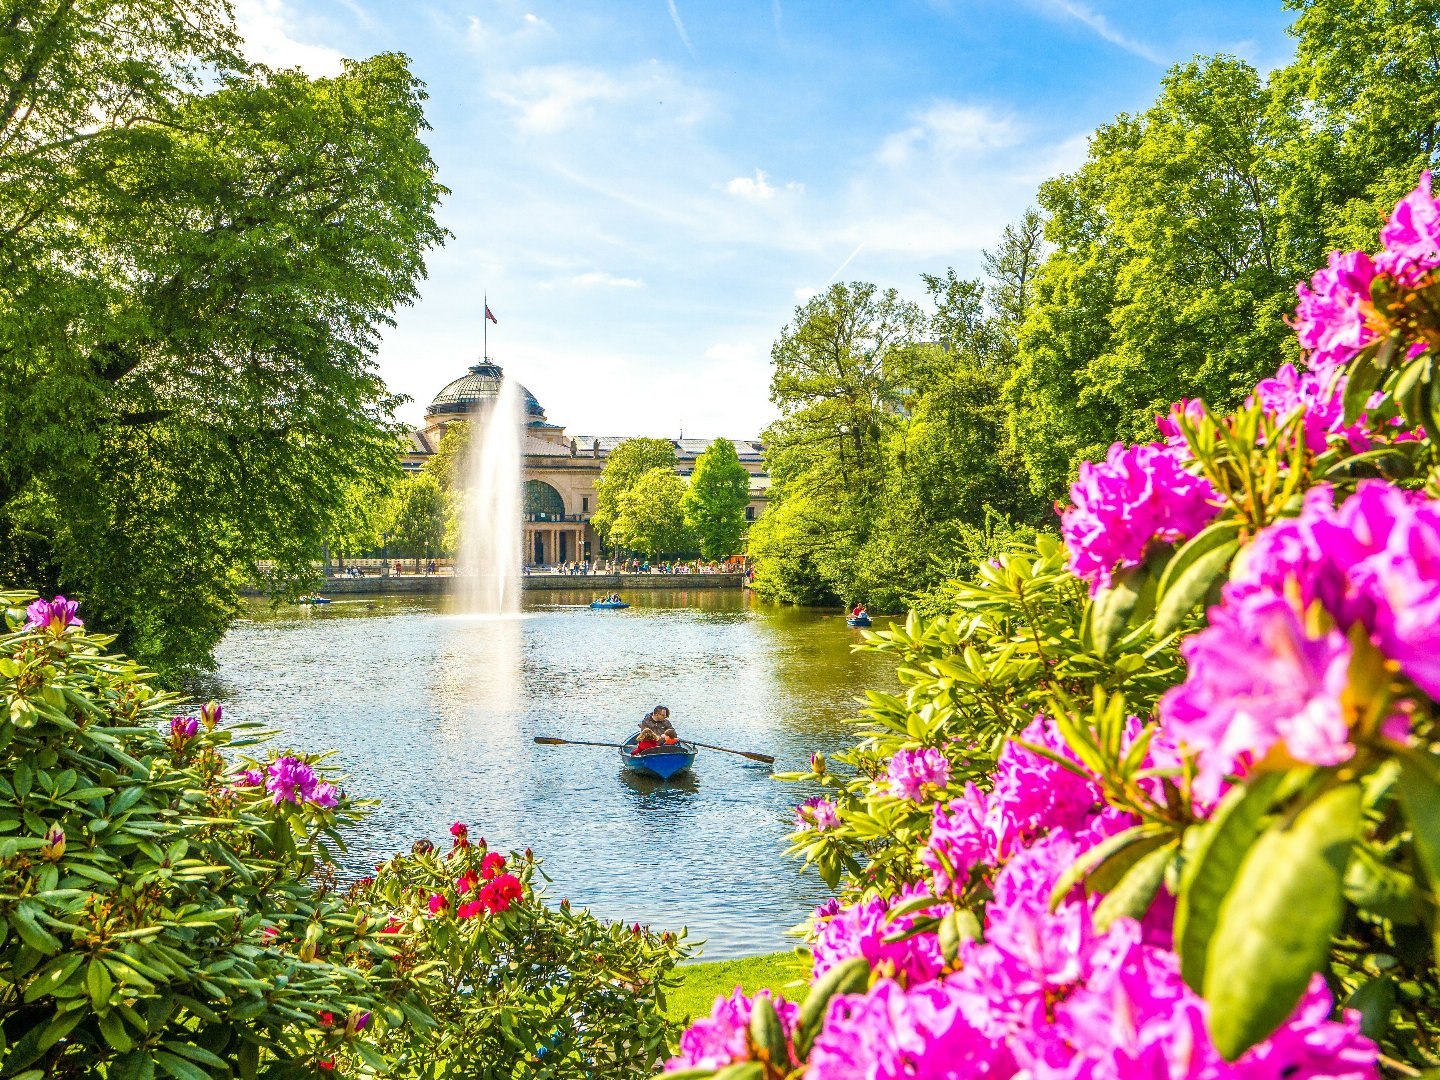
(680, 27)
(267, 29)
(549, 99)
(950, 129)
(1097, 22)
(599, 278)
(802, 294)
(756, 188)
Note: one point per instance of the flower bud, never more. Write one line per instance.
(817, 764)
(210, 714)
(55, 845)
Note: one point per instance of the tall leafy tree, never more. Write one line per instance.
(651, 521)
(417, 517)
(198, 256)
(626, 464)
(714, 503)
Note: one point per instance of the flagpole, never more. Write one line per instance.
(485, 323)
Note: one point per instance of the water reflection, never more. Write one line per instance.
(436, 715)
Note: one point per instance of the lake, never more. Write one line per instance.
(435, 714)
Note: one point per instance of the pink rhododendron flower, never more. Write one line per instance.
(290, 780)
(1191, 409)
(1257, 678)
(467, 881)
(720, 1039)
(1332, 318)
(55, 615)
(894, 1034)
(914, 773)
(250, 778)
(959, 840)
(816, 813)
(184, 727)
(1032, 793)
(471, 909)
(498, 895)
(861, 930)
(1411, 238)
(438, 903)
(1137, 496)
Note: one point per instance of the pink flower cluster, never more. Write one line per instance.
(1031, 794)
(914, 774)
(817, 813)
(862, 929)
(721, 1038)
(1046, 996)
(288, 779)
(53, 615)
(1264, 673)
(1137, 496)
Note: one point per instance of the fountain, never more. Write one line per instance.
(487, 569)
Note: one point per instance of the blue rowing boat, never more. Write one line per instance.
(314, 600)
(862, 621)
(661, 761)
(608, 605)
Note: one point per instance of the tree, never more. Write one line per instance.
(629, 461)
(651, 520)
(714, 503)
(191, 301)
(418, 517)
(1013, 265)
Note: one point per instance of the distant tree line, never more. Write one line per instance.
(914, 440)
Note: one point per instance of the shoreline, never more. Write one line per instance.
(441, 584)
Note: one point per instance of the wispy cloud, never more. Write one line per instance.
(1097, 22)
(600, 279)
(267, 28)
(680, 27)
(949, 128)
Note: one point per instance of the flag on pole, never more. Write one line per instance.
(491, 315)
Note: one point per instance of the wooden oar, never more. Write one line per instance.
(546, 740)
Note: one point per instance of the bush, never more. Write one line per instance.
(166, 911)
(1164, 800)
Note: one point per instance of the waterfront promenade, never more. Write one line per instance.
(438, 584)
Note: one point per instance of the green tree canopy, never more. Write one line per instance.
(714, 503)
(629, 461)
(651, 521)
(417, 517)
(191, 302)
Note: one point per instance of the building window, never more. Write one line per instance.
(543, 502)
(749, 513)
(584, 504)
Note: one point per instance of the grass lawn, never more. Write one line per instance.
(702, 982)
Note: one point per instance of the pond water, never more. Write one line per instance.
(435, 714)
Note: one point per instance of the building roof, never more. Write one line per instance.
(480, 384)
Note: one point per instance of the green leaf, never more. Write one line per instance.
(1419, 787)
(1191, 572)
(1102, 854)
(113, 1028)
(179, 1068)
(1373, 1000)
(851, 977)
(1276, 923)
(1210, 869)
(1111, 610)
(767, 1036)
(1132, 897)
(99, 984)
(742, 1070)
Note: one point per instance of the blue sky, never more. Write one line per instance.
(646, 188)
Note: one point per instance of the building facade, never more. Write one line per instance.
(559, 470)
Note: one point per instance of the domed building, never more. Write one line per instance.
(559, 470)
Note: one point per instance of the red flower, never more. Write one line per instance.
(499, 894)
(470, 910)
(467, 881)
(459, 830)
(328, 1064)
(393, 926)
(327, 1019)
(492, 865)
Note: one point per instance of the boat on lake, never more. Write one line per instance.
(608, 605)
(314, 600)
(861, 621)
(662, 761)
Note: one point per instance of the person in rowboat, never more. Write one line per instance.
(656, 730)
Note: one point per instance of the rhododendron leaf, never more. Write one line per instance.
(909, 907)
(1381, 890)
(1195, 568)
(1274, 929)
(1132, 897)
(1419, 786)
(956, 930)
(920, 926)
(851, 977)
(1374, 1000)
(1215, 851)
(1111, 610)
(1364, 376)
(742, 1070)
(767, 1036)
(1120, 849)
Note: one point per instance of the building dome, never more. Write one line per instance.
(480, 384)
